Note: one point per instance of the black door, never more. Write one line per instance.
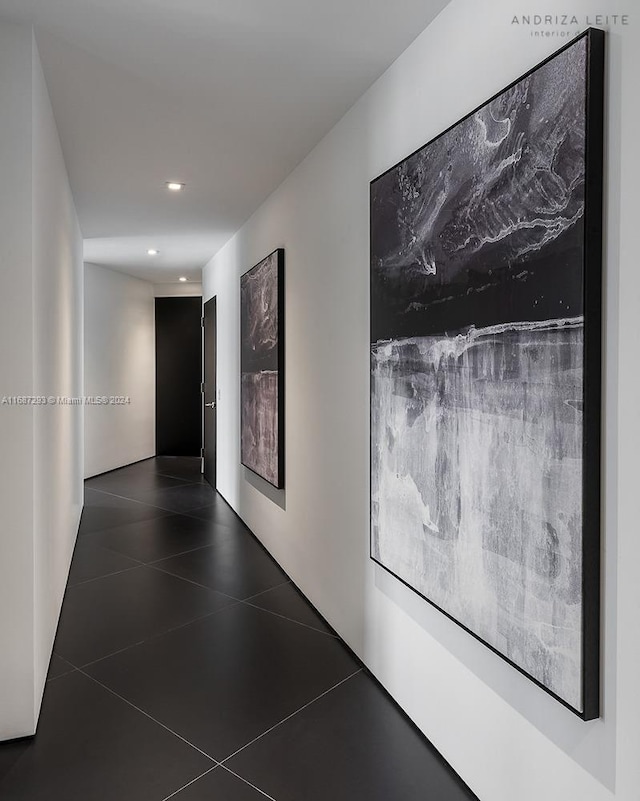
(178, 376)
(210, 390)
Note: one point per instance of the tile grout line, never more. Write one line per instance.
(246, 781)
(223, 499)
(106, 547)
(302, 598)
(130, 467)
(188, 784)
(137, 480)
(291, 620)
(87, 535)
(186, 483)
(61, 675)
(218, 498)
(182, 485)
(153, 505)
(155, 566)
(204, 506)
(245, 601)
(167, 513)
(186, 512)
(288, 717)
(171, 556)
(113, 653)
(156, 562)
(86, 540)
(262, 592)
(139, 562)
(178, 478)
(232, 525)
(235, 602)
(72, 668)
(147, 715)
(106, 575)
(183, 481)
(153, 637)
(131, 500)
(180, 553)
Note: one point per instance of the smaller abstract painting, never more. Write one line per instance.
(262, 368)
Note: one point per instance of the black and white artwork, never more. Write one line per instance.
(262, 368)
(478, 372)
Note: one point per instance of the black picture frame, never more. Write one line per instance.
(264, 463)
(588, 707)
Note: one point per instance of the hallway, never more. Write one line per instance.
(187, 666)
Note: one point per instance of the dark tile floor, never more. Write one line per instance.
(187, 666)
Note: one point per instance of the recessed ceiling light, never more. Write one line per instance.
(153, 252)
(183, 279)
(175, 186)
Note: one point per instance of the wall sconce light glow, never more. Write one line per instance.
(153, 252)
(182, 278)
(175, 186)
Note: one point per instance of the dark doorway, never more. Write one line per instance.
(210, 390)
(178, 371)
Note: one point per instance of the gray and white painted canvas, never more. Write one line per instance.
(260, 320)
(477, 372)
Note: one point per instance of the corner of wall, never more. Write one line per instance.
(119, 360)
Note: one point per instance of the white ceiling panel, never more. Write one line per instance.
(225, 95)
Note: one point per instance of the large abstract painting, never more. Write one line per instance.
(485, 371)
(262, 368)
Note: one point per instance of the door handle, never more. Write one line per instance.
(211, 405)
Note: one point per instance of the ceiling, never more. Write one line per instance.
(225, 95)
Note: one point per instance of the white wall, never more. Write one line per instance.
(507, 738)
(119, 359)
(17, 705)
(188, 289)
(40, 324)
(58, 370)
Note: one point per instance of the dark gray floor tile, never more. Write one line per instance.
(222, 681)
(218, 512)
(102, 511)
(58, 667)
(145, 467)
(92, 746)
(220, 785)
(10, 753)
(185, 467)
(221, 674)
(287, 601)
(90, 561)
(353, 743)
(180, 499)
(234, 564)
(131, 483)
(159, 538)
(111, 613)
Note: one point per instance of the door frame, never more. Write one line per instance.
(214, 301)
